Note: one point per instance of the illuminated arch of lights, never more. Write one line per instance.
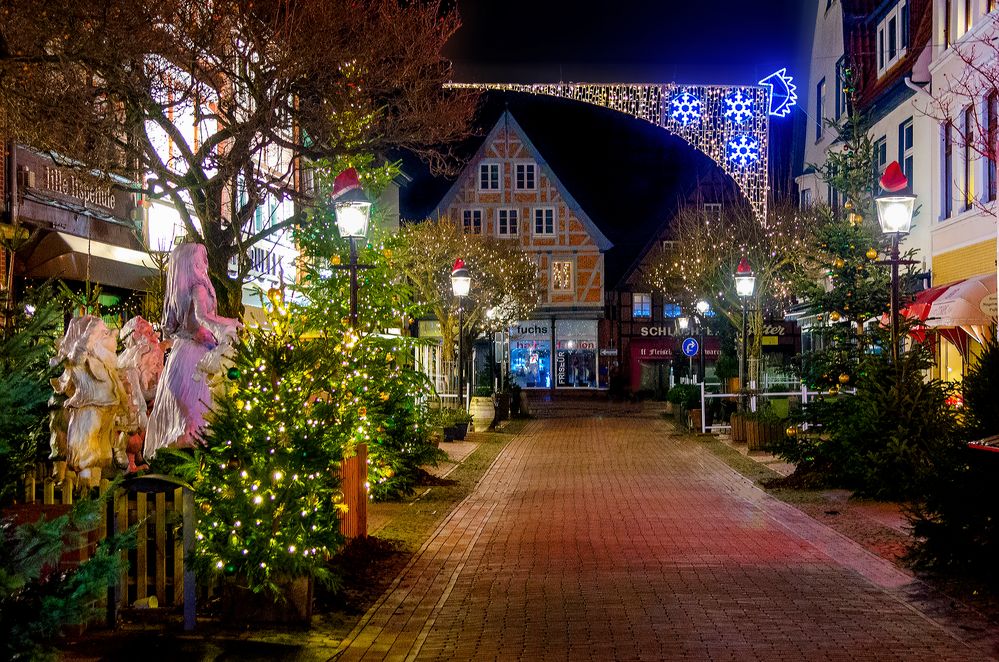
(725, 122)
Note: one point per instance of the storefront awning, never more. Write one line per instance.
(61, 255)
(968, 305)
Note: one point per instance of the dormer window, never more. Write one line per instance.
(893, 36)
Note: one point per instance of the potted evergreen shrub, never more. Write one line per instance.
(460, 420)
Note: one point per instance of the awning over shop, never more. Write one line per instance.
(61, 255)
(969, 305)
(919, 309)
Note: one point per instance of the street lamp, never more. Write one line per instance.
(745, 284)
(895, 207)
(461, 283)
(702, 308)
(353, 211)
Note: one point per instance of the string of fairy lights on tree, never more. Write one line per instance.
(728, 123)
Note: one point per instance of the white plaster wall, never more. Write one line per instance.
(964, 227)
(827, 48)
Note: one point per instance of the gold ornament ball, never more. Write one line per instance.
(848, 205)
(846, 306)
(839, 263)
(791, 431)
(834, 390)
(844, 378)
(834, 316)
(872, 254)
(275, 296)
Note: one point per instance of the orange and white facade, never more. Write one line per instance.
(509, 191)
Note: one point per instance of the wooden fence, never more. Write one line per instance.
(161, 509)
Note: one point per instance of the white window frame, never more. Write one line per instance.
(535, 219)
(572, 275)
(527, 165)
(494, 167)
(883, 58)
(503, 218)
(881, 145)
(806, 198)
(713, 210)
(470, 228)
(641, 305)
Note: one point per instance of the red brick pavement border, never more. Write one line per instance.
(610, 538)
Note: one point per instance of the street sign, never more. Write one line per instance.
(690, 347)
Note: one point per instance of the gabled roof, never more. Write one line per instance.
(508, 121)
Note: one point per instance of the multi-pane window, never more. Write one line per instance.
(969, 158)
(893, 36)
(671, 310)
(820, 108)
(471, 221)
(992, 124)
(881, 153)
(641, 305)
(840, 95)
(713, 211)
(969, 15)
(506, 222)
(489, 176)
(905, 148)
(948, 171)
(525, 176)
(806, 198)
(544, 220)
(948, 37)
(561, 275)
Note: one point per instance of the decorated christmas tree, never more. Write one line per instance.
(265, 476)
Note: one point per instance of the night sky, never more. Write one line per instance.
(627, 174)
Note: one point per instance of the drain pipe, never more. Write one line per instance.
(919, 89)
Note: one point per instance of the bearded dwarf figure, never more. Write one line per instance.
(94, 395)
(140, 367)
(200, 338)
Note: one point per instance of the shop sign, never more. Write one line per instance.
(531, 331)
(609, 352)
(654, 331)
(576, 353)
(988, 305)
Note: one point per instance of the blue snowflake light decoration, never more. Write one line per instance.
(743, 151)
(738, 107)
(685, 108)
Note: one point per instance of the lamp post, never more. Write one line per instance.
(895, 208)
(353, 211)
(683, 323)
(461, 282)
(745, 284)
(702, 307)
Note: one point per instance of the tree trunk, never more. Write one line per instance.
(228, 291)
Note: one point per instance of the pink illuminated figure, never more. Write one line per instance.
(200, 339)
(94, 393)
(140, 366)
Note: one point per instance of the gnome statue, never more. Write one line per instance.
(94, 395)
(200, 339)
(140, 366)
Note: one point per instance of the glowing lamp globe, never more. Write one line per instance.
(702, 306)
(683, 322)
(461, 279)
(895, 212)
(351, 205)
(745, 281)
(895, 205)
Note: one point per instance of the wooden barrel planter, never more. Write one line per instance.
(760, 435)
(694, 420)
(738, 422)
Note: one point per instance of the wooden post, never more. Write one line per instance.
(189, 586)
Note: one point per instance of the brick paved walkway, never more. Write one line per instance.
(617, 539)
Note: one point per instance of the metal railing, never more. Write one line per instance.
(752, 400)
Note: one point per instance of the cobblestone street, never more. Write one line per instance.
(617, 538)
